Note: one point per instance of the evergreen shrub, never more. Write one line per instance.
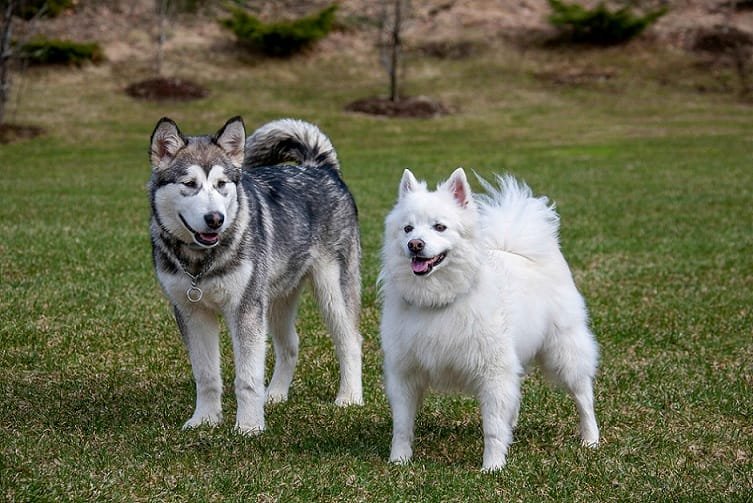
(45, 51)
(282, 38)
(599, 25)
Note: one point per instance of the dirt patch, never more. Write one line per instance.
(10, 133)
(413, 106)
(721, 38)
(164, 89)
(727, 48)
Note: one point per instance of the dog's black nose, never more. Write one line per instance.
(214, 219)
(416, 245)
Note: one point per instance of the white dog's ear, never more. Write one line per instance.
(459, 187)
(408, 183)
(232, 139)
(166, 141)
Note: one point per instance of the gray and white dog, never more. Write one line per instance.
(238, 225)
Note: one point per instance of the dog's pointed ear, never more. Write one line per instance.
(459, 187)
(232, 139)
(166, 141)
(408, 183)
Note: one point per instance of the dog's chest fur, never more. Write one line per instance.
(218, 292)
(453, 347)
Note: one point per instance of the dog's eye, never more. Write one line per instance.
(408, 229)
(440, 227)
(191, 184)
(221, 184)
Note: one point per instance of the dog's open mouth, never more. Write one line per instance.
(205, 239)
(424, 265)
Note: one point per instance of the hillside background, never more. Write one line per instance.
(126, 29)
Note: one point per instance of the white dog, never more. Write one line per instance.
(473, 291)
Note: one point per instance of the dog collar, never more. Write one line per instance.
(194, 294)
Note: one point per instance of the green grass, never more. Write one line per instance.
(654, 186)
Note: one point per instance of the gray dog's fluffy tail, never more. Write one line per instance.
(290, 141)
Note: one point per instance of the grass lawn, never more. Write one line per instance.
(654, 184)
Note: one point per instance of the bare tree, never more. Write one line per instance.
(166, 11)
(391, 24)
(6, 54)
(163, 10)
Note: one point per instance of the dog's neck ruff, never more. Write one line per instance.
(170, 247)
(432, 306)
(435, 295)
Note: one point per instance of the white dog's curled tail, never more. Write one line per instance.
(515, 221)
(290, 141)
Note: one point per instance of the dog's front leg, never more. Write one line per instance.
(248, 330)
(200, 330)
(405, 395)
(499, 400)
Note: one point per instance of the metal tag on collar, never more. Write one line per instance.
(194, 293)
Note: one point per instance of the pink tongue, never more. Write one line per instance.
(208, 237)
(419, 265)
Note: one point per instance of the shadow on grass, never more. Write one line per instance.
(448, 429)
(91, 403)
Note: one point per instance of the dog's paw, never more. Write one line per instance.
(203, 420)
(589, 436)
(401, 461)
(345, 399)
(494, 465)
(249, 430)
(591, 443)
(276, 397)
(492, 469)
(401, 454)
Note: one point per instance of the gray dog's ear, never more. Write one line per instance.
(167, 140)
(232, 139)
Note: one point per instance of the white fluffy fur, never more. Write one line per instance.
(502, 297)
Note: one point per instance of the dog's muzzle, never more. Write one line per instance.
(214, 220)
(421, 265)
(424, 265)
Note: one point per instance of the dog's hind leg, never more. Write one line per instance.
(282, 315)
(570, 359)
(200, 330)
(582, 393)
(337, 288)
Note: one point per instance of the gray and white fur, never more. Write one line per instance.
(238, 226)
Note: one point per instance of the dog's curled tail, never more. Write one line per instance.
(290, 141)
(515, 221)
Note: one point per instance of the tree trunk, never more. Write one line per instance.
(6, 53)
(395, 54)
(162, 18)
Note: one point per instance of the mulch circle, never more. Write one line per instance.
(413, 106)
(164, 88)
(719, 39)
(10, 133)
